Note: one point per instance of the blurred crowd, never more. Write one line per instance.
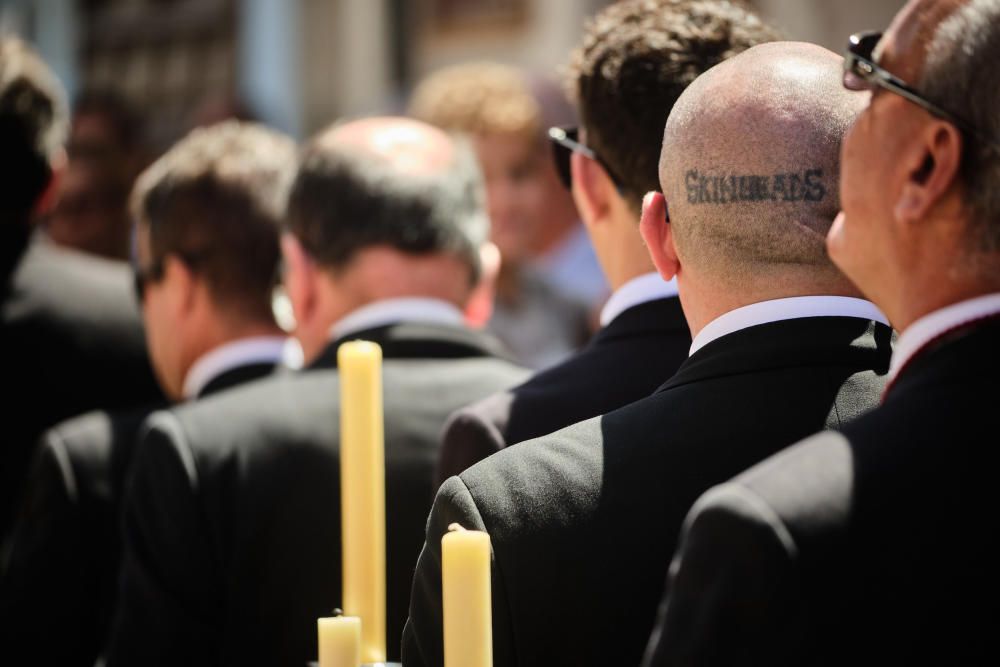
(702, 333)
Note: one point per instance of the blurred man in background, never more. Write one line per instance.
(70, 332)
(208, 218)
(534, 222)
(105, 156)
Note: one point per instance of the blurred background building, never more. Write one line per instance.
(297, 64)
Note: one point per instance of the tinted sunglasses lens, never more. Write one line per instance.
(858, 64)
(854, 74)
(139, 285)
(561, 156)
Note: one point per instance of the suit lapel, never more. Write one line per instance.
(807, 341)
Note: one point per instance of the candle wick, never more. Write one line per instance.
(456, 528)
(337, 611)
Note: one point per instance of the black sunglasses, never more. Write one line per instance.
(861, 73)
(144, 275)
(564, 143)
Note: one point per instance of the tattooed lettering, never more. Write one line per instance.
(791, 186)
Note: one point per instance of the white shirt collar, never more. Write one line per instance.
(929, 327)
(242, 352)
(790, 308)
(389, 311)
(647, 287)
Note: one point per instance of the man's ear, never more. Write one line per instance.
(298, 277)
(479, 307)
(592, 189)
(931, 169)
(658, 235)
(57, 167)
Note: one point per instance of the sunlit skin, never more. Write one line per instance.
(896, 221)
(156, 314)
(516, 192)
(91, 211)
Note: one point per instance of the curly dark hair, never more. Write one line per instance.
(635, 60)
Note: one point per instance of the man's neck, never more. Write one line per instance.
(215, 339)
(620, 250)
(231, 354)
(916, 304)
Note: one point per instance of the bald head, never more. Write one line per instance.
(407, 146)
(750, 163)
(391, 182)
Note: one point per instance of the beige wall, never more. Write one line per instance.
(828, 22)
(346, 52)
(542, 43)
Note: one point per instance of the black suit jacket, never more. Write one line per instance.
(232, 526)
(583, 521)
(626, 360)
(876, 545)
(71, 341)
(66, 546)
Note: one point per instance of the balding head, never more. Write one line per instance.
(407, 146)
(389, 182)
(750, 163)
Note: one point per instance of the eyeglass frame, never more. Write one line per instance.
(564, 143)
(142, 276)
(859, 64)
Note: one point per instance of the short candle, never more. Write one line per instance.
(339, 641)
(466, 597)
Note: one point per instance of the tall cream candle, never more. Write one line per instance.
(466, 596)
(362, 483)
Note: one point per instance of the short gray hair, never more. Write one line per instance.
(961, 75)
(344, 199)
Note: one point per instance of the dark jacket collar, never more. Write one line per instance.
(415, 340)
(650, 316)
(966, 355)
(237, 375)
(807, 341)
(14, 238)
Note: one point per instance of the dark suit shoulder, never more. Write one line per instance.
(93, 446)
(57, 286)
(539, 480)
(730, 598)
(807, 487)
(625, 361)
